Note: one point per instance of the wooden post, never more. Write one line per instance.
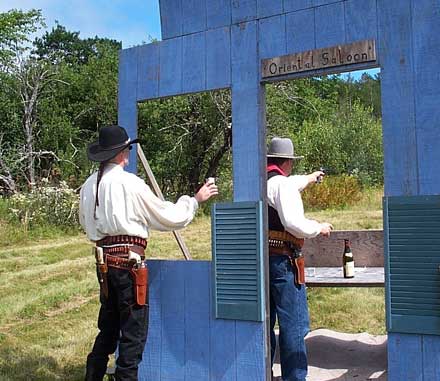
(159, 194)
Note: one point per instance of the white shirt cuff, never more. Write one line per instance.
(195, 203)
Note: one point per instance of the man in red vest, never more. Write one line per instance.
(287, 229)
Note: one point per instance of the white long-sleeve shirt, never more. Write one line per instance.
(284, 195)
(127, 206)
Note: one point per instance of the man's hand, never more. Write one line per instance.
(206, 192)
(316, 177)
(326, 228)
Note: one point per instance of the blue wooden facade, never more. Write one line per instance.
(214, 44)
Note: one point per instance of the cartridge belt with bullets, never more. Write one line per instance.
(116, 252)
(284, 243)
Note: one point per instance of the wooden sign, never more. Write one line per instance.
(340, 55)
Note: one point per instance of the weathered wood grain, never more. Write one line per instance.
(300, 31)
(218, 58)
(334, 277)
(329, 25)
(127, 97)
(272, 36)
(367, 247)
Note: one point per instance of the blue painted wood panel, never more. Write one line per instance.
(249, 140)
(148, 72)
(172, 294)
(223, 346)
(185, 341)
(329, 25)
(397, 91)
(194, 63)
(170, 81)
(194, 16)
(197, 322)
(296, 5)
(272, 36)
(266, 8)
(317, 3)
(171, 19)
(243, 10)
(360, 20)
(405, 360)
(426, 43)
(252, 341)
(218, 13)
(431, 357)
(150, 367)
(127, 106)
(300, 31)
(218, 58)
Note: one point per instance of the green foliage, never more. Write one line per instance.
(45, 205)
(331, 124)
(333, 121)
(62, 45)
(334, 192)
(15, 28)
(186, 139)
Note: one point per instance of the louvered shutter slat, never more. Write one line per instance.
(236, 248)
(412, 244)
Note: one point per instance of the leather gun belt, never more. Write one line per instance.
(122, 240)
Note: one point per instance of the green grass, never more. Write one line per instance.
(49, 294)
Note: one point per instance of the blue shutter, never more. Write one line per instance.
(412, 260)
(237, 262)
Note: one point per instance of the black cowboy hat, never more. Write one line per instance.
(112, 140)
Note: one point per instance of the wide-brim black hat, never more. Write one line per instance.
(112, 140)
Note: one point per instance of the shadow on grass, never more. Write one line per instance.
(17, 365)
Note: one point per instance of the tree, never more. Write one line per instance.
(62, 45)
(186, 138)
(15, 28)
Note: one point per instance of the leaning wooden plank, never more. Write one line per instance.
(159, 194)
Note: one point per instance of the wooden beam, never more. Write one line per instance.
(159, 194)
(367, 247)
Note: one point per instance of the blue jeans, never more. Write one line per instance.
(288, 303)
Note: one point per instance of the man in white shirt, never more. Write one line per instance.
(287, 229)
(117, 211)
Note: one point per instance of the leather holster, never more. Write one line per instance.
(140, 284)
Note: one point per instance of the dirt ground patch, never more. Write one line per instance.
(335, 356)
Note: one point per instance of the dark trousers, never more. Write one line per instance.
(120, 319)
(288, 304)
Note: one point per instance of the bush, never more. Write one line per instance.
(334, 192)
(46, 205)
(347, 142)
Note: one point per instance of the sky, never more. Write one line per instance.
(131, 21)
